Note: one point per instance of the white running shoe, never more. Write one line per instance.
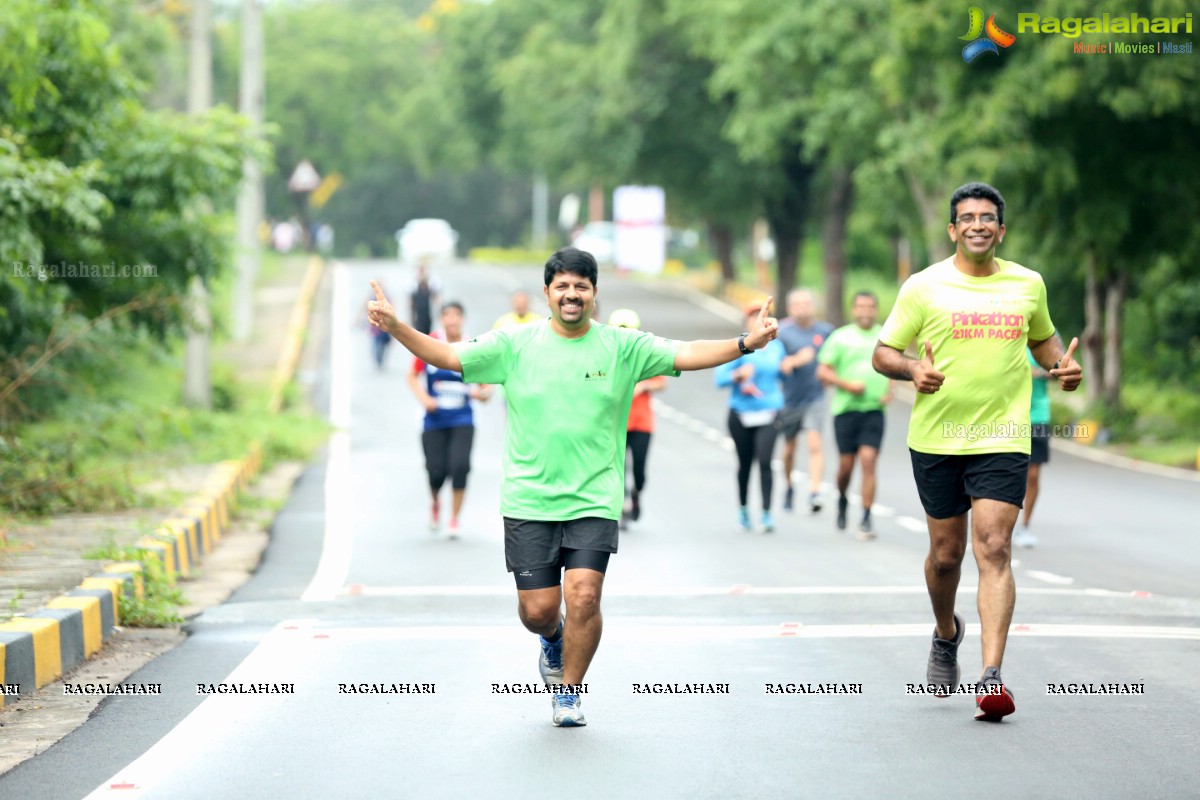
(567, 713)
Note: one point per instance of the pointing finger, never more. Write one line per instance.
(762, 312)
(1066, 359)
(378, 292)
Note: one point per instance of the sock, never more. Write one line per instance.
(866, 514)
(554, 639)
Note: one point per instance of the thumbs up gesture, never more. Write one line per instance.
(925, 375)
(1067, 370)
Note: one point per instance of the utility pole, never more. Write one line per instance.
(250, 197)
(197, 383)
(541, 209)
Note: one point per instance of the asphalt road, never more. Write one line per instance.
(355, 589)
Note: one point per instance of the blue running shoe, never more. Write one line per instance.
(768, 523)
(567, 713)
(744, 518)
(550, 659)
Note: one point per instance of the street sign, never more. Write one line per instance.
(304, 178)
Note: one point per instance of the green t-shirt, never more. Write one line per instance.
(568, 403)
(1039, 408)
(848, 352)
(979, 329)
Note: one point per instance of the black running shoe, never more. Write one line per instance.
(865, 533)
(635, 509)
(843, 503)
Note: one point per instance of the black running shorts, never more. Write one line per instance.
(536, 551)
(855, 429)
(947, 484)
(1039, 444)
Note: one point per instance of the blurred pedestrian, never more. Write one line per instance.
(803, 395)
(423, 298)
(449, 426)
(1039, 447)
(519, 314)
(641, 424)
(755, 398)
(858, 401)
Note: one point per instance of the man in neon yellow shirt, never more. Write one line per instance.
(861, 393)
(972, 316)
(520, 314)
(570, 382)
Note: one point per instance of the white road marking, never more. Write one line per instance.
(505, 590)
(632, 632)
(911, 524)
(338, 542)
(1050, 577)
(215, 717)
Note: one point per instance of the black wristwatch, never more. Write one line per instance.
(742, 344)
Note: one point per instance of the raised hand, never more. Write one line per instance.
(1068, 371)
(763, 329)
(925, 375)
(380, 312)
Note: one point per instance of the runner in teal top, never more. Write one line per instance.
(569, 382)
(1039, 449)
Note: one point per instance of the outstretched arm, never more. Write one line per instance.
(432, 351)
(708, 353)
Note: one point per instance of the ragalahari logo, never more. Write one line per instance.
(991, 42)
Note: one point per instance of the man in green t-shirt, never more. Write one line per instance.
(569, 381)
(861, 393)
(973, 315)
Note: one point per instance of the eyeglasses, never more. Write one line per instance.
(969, 219)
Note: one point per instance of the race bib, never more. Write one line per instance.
(451, 395)
(756, 419)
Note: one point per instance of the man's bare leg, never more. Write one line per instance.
(582, 588)
(789, 460)
(540, 610)
(992, 523)
(943, 568)
(816, 460)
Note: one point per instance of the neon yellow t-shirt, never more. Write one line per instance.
(979, 329)
(511, 319)
(568, 403)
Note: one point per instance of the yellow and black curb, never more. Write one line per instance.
(38, 648)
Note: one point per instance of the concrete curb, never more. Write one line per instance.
(38, 648)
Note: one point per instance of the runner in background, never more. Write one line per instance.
(519, 313)
(858, 403)
(755, 399)
(449, 428)
(1039, 447)
(641, 424)
(423, 296)
(803, 394)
